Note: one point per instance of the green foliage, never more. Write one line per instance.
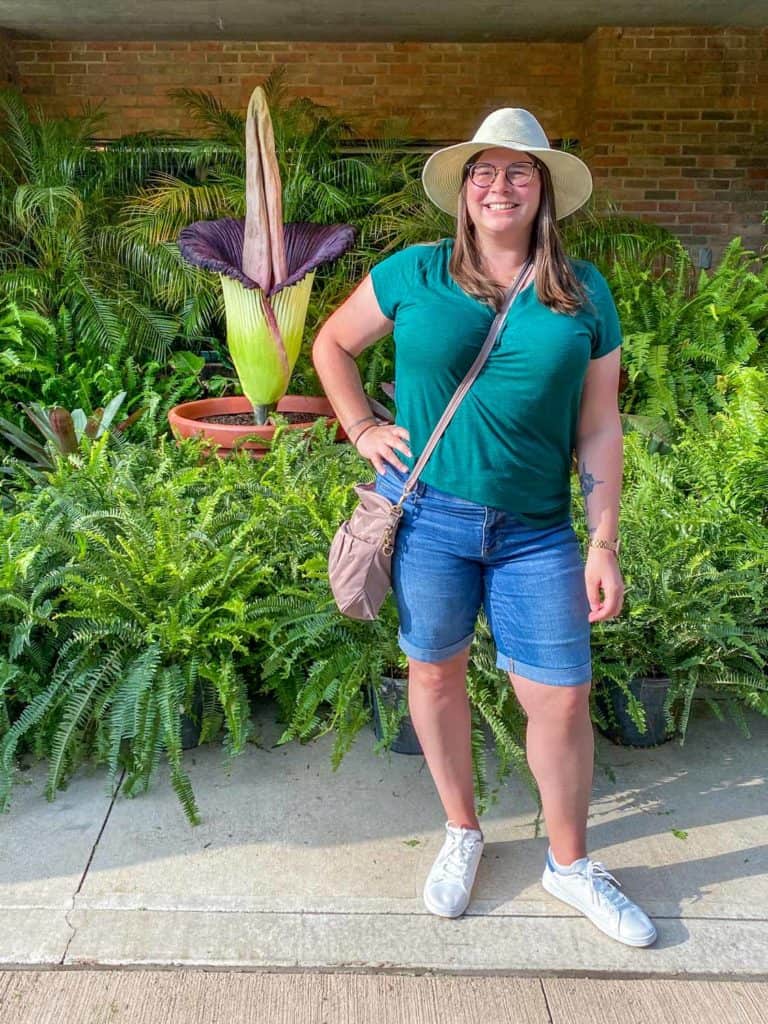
(42, 360)
(58, 198)
(127, 583)
(723, 461)
(696, 578)
(608, 238)
(404, 215)
(684, 334)
(44, 365)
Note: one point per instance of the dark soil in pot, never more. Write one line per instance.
(244, 419)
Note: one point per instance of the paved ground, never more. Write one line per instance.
(189, 997)
(298, 868)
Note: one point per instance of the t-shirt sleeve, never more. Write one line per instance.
(607, 331)
(392, 280)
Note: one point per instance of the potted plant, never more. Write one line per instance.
(388, 694)
(266, 270)
(695, 577)
(643, 696)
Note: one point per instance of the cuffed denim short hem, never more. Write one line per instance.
(432, 654)
(550, 676)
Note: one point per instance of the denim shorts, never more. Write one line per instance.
(452, 556)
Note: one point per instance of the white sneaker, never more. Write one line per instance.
(592, 890)
(449, 884)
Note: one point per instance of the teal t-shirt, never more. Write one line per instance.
(509, 443)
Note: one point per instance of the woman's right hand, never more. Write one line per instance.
(380, 444)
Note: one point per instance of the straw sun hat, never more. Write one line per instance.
(516, 129)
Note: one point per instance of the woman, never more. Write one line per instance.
(489, 520)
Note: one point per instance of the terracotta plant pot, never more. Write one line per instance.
(189, 420)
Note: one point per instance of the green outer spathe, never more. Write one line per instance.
(254, 351)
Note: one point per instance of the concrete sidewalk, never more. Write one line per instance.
(296, 867)
(215, 997)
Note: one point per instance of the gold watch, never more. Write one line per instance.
(611, 545)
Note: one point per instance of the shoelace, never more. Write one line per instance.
(603, 884)
(456, 860)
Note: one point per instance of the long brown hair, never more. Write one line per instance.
(556, 284)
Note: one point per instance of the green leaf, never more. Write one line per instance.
(187, 362)
(110, 412)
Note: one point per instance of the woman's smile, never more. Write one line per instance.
(501, 207)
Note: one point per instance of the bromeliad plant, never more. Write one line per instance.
(266, 269)
(62, 430)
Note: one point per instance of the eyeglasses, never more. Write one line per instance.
(483, 175)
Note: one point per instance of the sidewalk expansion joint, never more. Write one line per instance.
(71, 926)
(546, 1001)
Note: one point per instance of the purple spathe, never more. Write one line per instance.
(218, 245)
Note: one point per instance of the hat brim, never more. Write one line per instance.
(442, 174)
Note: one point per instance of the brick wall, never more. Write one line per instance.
(436, 88)
(674, 120)
(677, 128)
(7, 60)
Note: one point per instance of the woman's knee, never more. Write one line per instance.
(439, 675)
(554, 703)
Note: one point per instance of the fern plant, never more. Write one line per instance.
(44, 361)
(147, 564)
(696, 592)
(684, 334)
(724, 461)
(44, 364)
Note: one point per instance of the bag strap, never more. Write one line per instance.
(465, 385)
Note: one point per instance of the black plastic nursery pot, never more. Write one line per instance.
(191, 724)
(652, 694)
(391, 692)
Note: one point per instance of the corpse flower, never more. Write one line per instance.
(266, 269)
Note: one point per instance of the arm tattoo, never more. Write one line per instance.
(587, 481)
(588, 484)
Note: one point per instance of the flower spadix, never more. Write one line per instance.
(266, 268)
